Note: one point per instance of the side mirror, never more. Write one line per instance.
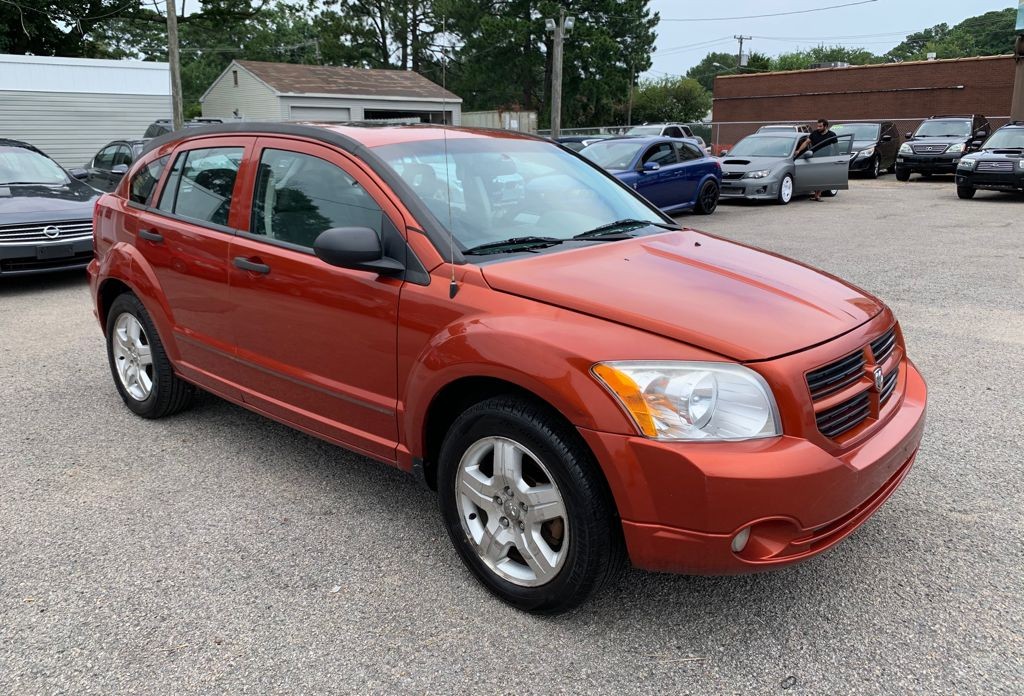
(724, 153)
(908, 135)
(79, 173)
(358, 248)
(119, 169)
(886, 138)
(807, 154)
(982, 134)
(650, 167)
(976, 143)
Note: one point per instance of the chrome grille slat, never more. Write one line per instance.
(1005, 166)
(929, 149)
(22, 234)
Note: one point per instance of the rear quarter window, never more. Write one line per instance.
(141, 188)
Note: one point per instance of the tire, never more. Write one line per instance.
(831, 193)
(577, 541)
(785, 190)
(966, 192)
(138, 362)
(902, 174)
(876, 167)
(707, 199)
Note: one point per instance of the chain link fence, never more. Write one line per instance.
(722, 135)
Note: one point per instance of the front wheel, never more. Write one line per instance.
(831, 193)
(965, 192)
(902, 174)
(785, 190)
(707, 199)
(875, 168)
(526, 506)
(138, 362)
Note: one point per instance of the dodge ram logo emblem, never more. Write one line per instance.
(51, 231)
(879, 379)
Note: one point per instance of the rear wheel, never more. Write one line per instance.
(142, 373)
(965, 192)
(902, 174)
(707, 199)
(526, 507)
(785, 190)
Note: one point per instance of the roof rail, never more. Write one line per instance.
(953, 116)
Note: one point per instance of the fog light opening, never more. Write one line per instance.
(739, 542)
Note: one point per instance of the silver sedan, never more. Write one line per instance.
(763, 167)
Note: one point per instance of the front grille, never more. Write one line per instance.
(882, 347)
(888, 385)
(834, 376)
(32, 264)
(846, 416)
(997, 166)
(732, 175)
(928, 149)
(58, 232)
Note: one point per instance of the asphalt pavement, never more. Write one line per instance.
(219, 552)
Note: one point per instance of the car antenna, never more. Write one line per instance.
(453, 286)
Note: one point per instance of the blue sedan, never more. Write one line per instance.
(674, 174)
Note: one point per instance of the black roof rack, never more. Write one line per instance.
(953, 116)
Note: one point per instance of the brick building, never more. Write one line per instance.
(901, 92)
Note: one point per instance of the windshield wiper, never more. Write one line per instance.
(619, 227)
(30, 183)
(506, 246)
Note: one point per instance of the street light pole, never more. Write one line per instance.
(175, 63)
(560, 27)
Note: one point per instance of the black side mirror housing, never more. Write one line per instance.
(976, 143)
(119, 169)
(886, 138)
(358, 248)
(981, 134)
(79, 173)
(908, 135)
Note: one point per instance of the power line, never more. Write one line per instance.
(760, 16)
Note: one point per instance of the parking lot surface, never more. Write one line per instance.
(219, 552)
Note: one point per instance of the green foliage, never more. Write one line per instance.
(801, 60)
(670, 99)
(705, 71)
(984, 35)
(58, 27)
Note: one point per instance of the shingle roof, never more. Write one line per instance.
(291, 78)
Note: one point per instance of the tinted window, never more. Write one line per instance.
(105, 157)
(687, 152)
(155, 130)
(141, 189)
(299, 196)
(859, 131)
(674, 132)
(944, 128)
(201, 184)
(662, 154)
(122, 155)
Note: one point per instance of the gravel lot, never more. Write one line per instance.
(218, 552)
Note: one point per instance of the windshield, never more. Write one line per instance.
(502, 188)
(21, 166)
(644, 130)
(612, 154)
(1005, 138)
(763, 146)
(859, 131)
(938, 129)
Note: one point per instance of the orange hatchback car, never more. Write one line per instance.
(581, 380)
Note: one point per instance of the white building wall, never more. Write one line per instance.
(70, 107)
(252, 98)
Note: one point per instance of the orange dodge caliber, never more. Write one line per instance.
(580, 380)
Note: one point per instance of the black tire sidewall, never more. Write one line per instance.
(577, 576)
(700, 207)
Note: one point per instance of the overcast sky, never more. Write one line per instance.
(877, 26)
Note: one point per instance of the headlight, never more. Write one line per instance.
(966, 164)
(959, 147)
(1020, 164)
(866, 153)
(693, 400)
(760, 174)
(906, 149)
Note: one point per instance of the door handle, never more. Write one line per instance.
(252, 266)
(151, 236)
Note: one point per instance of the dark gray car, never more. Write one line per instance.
(111, 163)
(762, 166)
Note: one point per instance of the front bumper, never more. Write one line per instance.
(862, 164)
(754, 189)
(991, 181)
(43, 257)
(682, 504)
(929, 164)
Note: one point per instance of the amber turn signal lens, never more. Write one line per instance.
(623, 386)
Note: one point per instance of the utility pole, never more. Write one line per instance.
(1017, 104)
(739, 57)
(560, 28)
(629, 109)
(172, 58)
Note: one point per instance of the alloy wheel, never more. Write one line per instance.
(787, 189)
(133, 357)
(512, 511)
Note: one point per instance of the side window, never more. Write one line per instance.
(122, 156)
(298, 196)
(202, 183)
(674, 132)
(141, 188)
(687, 152)
(105, 158)
(663, 154)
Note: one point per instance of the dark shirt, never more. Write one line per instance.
(820, 140)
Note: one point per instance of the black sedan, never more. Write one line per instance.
(874, 146)
(111, 163)
(45, 212)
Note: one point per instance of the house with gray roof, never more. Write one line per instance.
(255, 90)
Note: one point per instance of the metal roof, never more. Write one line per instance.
(330, 80)
(83, 75)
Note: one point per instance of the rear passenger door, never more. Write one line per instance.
(693, 167)
(316, 343)
(184, 230)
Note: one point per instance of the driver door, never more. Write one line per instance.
(826, 169)
(658, 186)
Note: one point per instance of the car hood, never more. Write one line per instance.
(943, 141)
(863, 144)
(750, 164)
(30, 204)
(737, 301)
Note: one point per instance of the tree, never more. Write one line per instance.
(58, 27)
(801, 60)
(671, 99)
(988, 34)
(705, 71)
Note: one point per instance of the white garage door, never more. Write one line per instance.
(319, 113)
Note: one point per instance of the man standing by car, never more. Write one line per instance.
(822, 136)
